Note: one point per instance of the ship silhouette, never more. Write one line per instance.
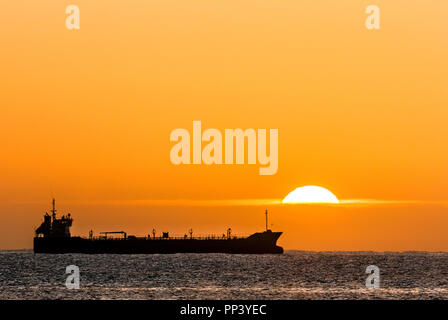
(53, 236)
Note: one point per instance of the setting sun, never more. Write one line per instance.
(310, 194)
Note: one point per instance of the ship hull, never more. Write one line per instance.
(258, 243)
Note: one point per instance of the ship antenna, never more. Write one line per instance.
(54, 209)
(266, 213)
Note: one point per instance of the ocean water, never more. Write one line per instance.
(293, 275)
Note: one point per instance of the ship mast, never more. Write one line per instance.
(266, 213)
(54, 209)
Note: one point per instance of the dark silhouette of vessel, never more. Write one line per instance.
(53, 236)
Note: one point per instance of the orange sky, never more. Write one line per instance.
(86, 117)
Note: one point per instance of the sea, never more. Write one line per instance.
(292, 275)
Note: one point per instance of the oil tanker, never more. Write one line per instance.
(53, 236)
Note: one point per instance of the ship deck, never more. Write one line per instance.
(130, 237)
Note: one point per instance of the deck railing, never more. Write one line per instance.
(210, 237)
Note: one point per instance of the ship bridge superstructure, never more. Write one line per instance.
(53, 226)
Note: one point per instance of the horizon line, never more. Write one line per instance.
(185, 202)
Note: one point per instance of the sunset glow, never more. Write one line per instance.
(87, 116)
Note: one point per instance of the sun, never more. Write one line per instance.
(310, 194)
